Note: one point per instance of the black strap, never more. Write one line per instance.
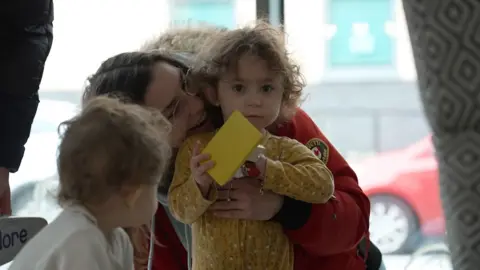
(374, 258)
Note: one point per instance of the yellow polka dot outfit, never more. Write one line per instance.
(219, 244)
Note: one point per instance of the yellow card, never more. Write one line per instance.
(231, 146)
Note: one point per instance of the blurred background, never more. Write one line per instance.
(362, 93)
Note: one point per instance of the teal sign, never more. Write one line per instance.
(219, 13)
(360, 38)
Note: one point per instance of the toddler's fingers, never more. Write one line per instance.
(204, 167)
(196, 149)
(198, 159)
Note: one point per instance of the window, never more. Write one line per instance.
(354, 94)
(360, 33)
(211, 12)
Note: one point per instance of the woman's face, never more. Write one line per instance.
(185, 112)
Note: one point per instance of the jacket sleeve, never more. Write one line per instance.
(338, 225)
(24, 50)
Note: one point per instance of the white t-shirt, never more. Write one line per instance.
(74, 242)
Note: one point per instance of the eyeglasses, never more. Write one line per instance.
(184, 82)
(176, 104)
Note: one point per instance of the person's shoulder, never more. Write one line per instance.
(124, 245)
(120, 233)
(84, 244)
(67, 232)
(91, 243)
(301, 117)
(121, 238)
(83, 238)
(304, 129)
(297, 126)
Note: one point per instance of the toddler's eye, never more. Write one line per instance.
(267, 88)
(237, 87)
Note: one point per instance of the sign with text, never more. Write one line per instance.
(15, 233)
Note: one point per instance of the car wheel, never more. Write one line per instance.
(394, 226)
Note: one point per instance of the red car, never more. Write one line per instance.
(404, 192)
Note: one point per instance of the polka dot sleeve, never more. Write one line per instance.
(294, 171)
(185, 200)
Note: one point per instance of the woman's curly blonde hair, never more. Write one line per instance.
(188, 39)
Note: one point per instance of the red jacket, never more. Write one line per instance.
(329, 238)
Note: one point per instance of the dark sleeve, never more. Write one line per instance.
(26, 32)
(293, 214)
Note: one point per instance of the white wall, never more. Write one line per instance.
(245, 11)
(87, 32)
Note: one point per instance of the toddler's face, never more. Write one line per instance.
(145, 205)
(253, 89)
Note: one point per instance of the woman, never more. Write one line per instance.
(325, 235)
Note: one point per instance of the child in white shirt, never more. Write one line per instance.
(110, 161)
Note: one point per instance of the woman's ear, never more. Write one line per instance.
(211, 95)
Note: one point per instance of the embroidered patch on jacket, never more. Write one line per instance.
(319, 148)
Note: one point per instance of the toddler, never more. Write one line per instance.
(111, 158)
(248, 70)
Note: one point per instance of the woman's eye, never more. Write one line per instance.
(267, 88)
(237, 88)
(172, 109)
(168, 114)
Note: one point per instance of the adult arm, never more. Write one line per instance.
(338, 225)
(26, 34)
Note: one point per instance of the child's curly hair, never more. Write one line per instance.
(222, 53)
(188, 39)
(108, 145)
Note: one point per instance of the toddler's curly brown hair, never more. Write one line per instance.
(222, 53)
(109, 145)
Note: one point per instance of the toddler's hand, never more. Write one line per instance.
(199, 165)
